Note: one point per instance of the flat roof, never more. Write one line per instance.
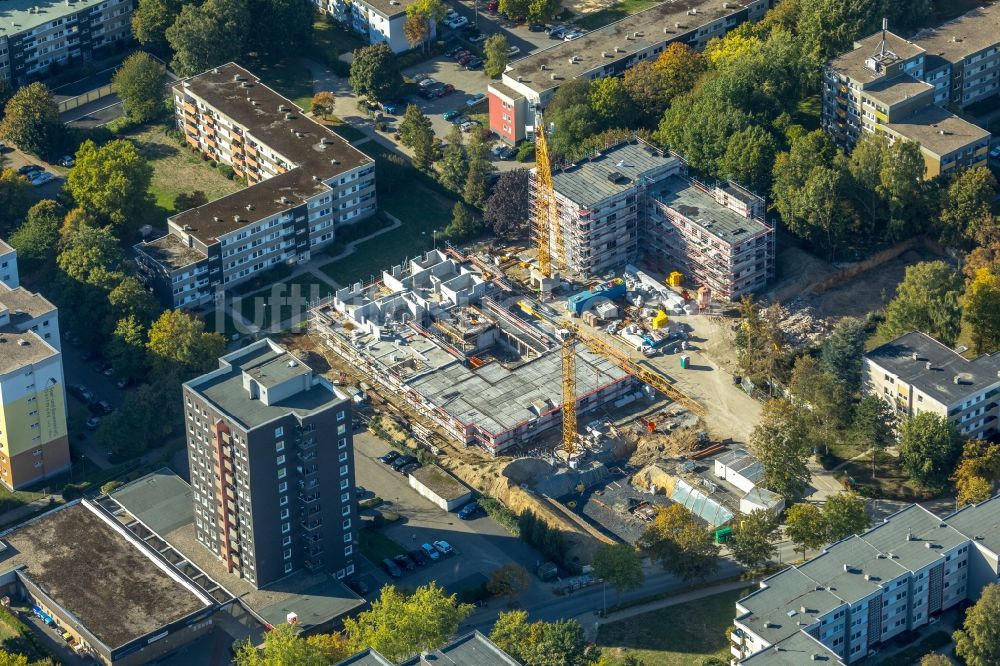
(498, 399)
(388, 8)
(23, 304)
(796, 650)
(692, 201)
(590, 181)
(315, 152)
(367, 657)
(980, 522)
(898, 89)
(117, 589)
(787, 602)
(20, 349)
(163, 499)
(224, 387)
(170, 251)
(938, 381)
(469, 650)
(852, 63)
(966, 35)
(16, 15)
(618, 40)
(866, 570)
(907, 533)
(938, 130)
(442, 483)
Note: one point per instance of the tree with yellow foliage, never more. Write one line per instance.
(977, 471)
(982, 310)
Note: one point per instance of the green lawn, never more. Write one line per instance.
(615, 12)
(345, 130)
(807, 113)
(377, 546)
(331, 40)
(228, 325)
(420, 204)
(682, 635)
(15, 499)
(259, 307)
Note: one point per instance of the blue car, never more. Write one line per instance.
(475, 99)
(449, 115)
(469, 511)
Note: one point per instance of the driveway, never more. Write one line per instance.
(14, 158)
(481, 545)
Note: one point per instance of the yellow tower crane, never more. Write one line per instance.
(569, 434)
(547, 225)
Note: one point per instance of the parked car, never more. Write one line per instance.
(359, 586)
(513, 51)
(105, 406)
(427, 82)
(469, 511)
(457, 23)
(82, 392)
(401, 462)
(536, 27)
(431, 552)
(391, 568)
(475, 63)
(444, 547)
(451, 115)
(28, 168)
(393, 108)
(67, 161)
(418, 556)
(459, 120)
(419, 77)
(467, 126)
(570, 36)
(450, 53)
(446, 89)
(389, 457)
(450, 15)
(461, 53)
(466, 58)
(406, 470)
(93, 422)
(42, 178)
(995, 153)
(403, 562)
(492, 5)
(472, 100)
(557, 33)
(475, 39)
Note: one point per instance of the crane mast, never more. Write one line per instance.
(547, 225)
(569, 432)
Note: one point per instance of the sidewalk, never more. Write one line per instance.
(21, 512)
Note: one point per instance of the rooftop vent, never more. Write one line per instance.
(725, 5)
(868, 577)
(928, 365)
(677, 24)
(915, 356)
(236, 218)
(292, 364)
(236, 77)
(619, 49)
(543, 67)
(187, 227)
(802, 609)
(289, 116)
(909, 535)
(847, 568)
(554, 76)
(216, 218)
(693, 11)
(286, 200)
(636, 34)
(927, 545)
(668, 31)
(249, 207)
(282, 108)
(21, 342)
(246, 84)
(335, 161)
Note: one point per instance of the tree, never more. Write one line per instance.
(900, 183)
(543, 10)
(829, 27)
(400, 625)
(965, 210)
(805, 527)
(111, 182)
(978, 641)
(12, 659)
(540, 643)
(620, 565)
(495, 55)
(420, 17)
(126, 349)
(464, 223)
(865, 173)
(323, 103)
(927, 300)
(755, 537)
(280, 27)
(151, 20)
(334, 648)
(749, 158)
(514, 8)
(509, 581)
(509, 207)
(375, 73)
(139, 83)
(178, 345)
(572, 116)
(454, 165)
(735, 45)
(977, 472)
(699, 123)
(92, 256)
(207, 35)
(131, 298)
(873, 426)
(780, 441)
(758, 341)
(142, 422)
(37, 239)
(15, 198)
(827, 411)
(415, 131)
(610, 102)
(683, 547)
(844, 514)
(653, 84)
(480, 168)
(981, 305)
(282, 646)
(842, 351)
(929, 448)
(31, 120)
(935, 659)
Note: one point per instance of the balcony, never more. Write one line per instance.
(309, 498)
(306, 443)
(306, 456)
(311, 525)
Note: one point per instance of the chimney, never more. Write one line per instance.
(928, 365)
(915, 356)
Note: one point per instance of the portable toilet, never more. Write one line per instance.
(704, 297)
(659, 320)
(685, 360)
(676, 279)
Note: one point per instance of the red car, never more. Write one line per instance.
(492, 5)
(447, 89)
(465, 59)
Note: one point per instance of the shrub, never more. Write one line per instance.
(72, 491)
(226, 170)
(495, 509)
(110, 486)
(526, 153)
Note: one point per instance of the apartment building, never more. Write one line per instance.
(891, 85)
(272, 469)
(304, 182)
(37, 34)
(8, 266)
(867, 589)
(633, 201)
(378, 21)
(529, 83)
(915, 373)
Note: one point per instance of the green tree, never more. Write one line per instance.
(151, 20)
(540, 643)
(514, 8)
(480, 169)
(621, 565)
(927, 300)
(125, 349)
(543, 10)
(829, 27)
(283, 646)
(977, 643)
(37, 240)
(416, 133)
(680, 544)
(400, 625)
(375, 73)
(15, 198)
(12, 659)
(749, 158)
(322, 104)
(873, 426)
(509, 581)
(92, 256)
(781, 443)
(178, 345)
(610, 102)
(31, 121)
(844, 514)
(809, 153)
(454, 165)
(828, 411)
(139, 83)
(965, 211)
(981, 306)
(935, 659)
(841, 353)
(207, 35)
(652, 85)
(929, 448)
(805, 527)
(865, 173)
(464, 223)
(130, 297)
(572, 117)
(900, 183)
(699, 124)
(755, 537)
(758, 340)
(142, 423)
(495, 55)
(111, 182)
(508, 208)
(280, 27)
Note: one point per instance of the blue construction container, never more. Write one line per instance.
(580, 303)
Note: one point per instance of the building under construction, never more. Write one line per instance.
(452, 339)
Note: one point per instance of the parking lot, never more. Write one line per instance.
(13, 158)
(481, 546)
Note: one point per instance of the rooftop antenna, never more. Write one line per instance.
(884, 54)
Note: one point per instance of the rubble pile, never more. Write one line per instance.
(800, 324)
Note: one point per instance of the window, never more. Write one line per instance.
(279, 446)
(347, 524)
(344, 483)
(346, 511)
(279, 431)
(344, 497)
(286, 528)
(348, 538)
(288, 568)
(343, 470)
(284, 514)
(287, 554)
(283, 501)
(282, 473)
(343, 457)
(341, 416)
(283, 487)
(342, 443)
(287, 541)
(281, 460)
